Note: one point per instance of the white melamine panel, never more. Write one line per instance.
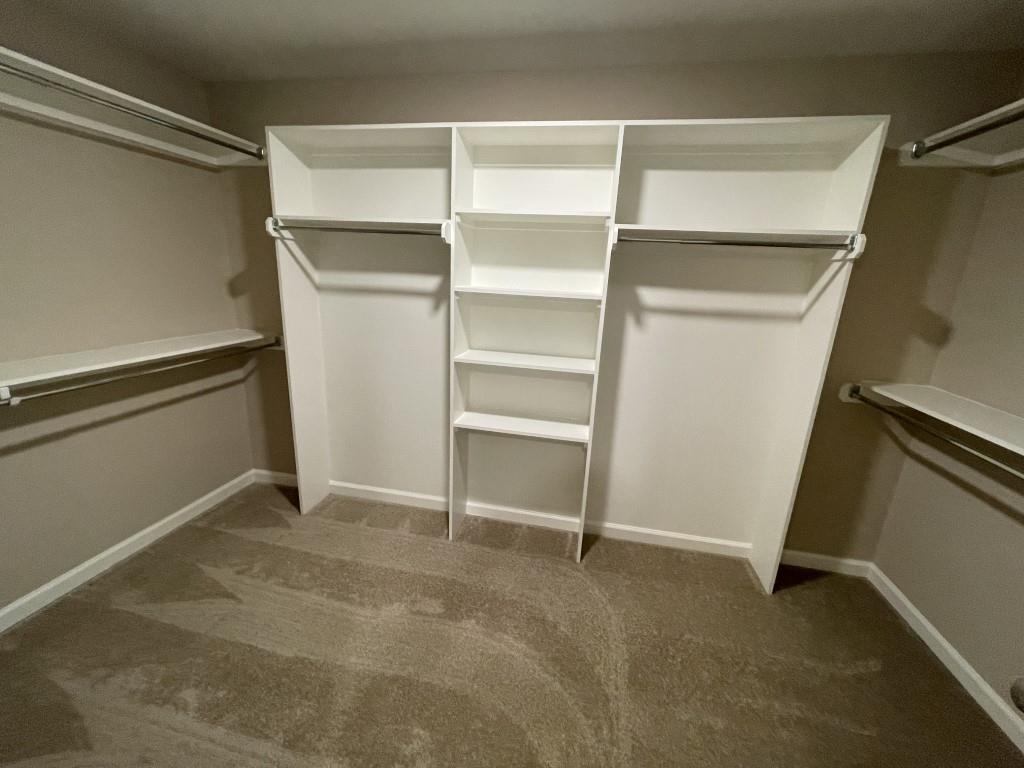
(693, 346)
(384, 315)
(796, 390)
(504, 252)
(748, 174)
(304, 353)
(529, 326)
(384, 173)
(530, 394)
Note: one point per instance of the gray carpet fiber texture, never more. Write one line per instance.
(358, 635)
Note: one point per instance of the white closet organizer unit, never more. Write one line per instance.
(738, 234)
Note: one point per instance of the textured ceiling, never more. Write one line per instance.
(272, 39)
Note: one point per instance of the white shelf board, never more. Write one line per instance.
(477, 216)
(514, 425)
(52, 104)
(527, 293)
(38, 371)
(992, 425)
(801, 238)
(397, 225)
(553, 363)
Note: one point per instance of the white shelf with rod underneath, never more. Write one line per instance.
(65, 369)
(953, 417)
(553, 363)
(990, 141)
(515, 425)
(32, 89)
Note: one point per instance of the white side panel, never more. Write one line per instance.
(797, 395)
(300, 314)
(384, 315)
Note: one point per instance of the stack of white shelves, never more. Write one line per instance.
(754, 224)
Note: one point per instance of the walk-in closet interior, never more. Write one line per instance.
(387, 386)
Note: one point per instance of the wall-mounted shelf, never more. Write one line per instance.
(948, 416)
(990, 141)
(553, 363)
(38, 91)
(528, 293)
(62, 371)
(514, 425)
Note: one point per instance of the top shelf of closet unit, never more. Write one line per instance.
(381, 173)
(44, 93)
(558, 169)
(791, 175)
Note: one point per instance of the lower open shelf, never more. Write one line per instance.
(515, 425)
(554, 363)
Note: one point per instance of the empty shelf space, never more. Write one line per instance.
(38, 371)
(396, 226)
(778, 238)
(1000, 428)
(553, 363)
(528, 293)
(514, 425)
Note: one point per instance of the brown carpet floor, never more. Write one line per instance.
(358, 636)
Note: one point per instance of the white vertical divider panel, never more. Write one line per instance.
(609, 244)
(304, 355)
(458, 448)
(797, 399)
(846, 207)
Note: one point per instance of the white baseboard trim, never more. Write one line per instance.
(672, 539)
(523, 516)
(286, 479)
(995, 706)
(389, 495)
(847, 566)
(39, 598)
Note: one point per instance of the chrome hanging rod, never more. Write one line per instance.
(277, 224)
(848, 243)
(13, 400)
(855, 393)
(997, 118)
(237, 144)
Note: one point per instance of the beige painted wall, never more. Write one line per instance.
(900, 296)
(954, 534)
(103, 245)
